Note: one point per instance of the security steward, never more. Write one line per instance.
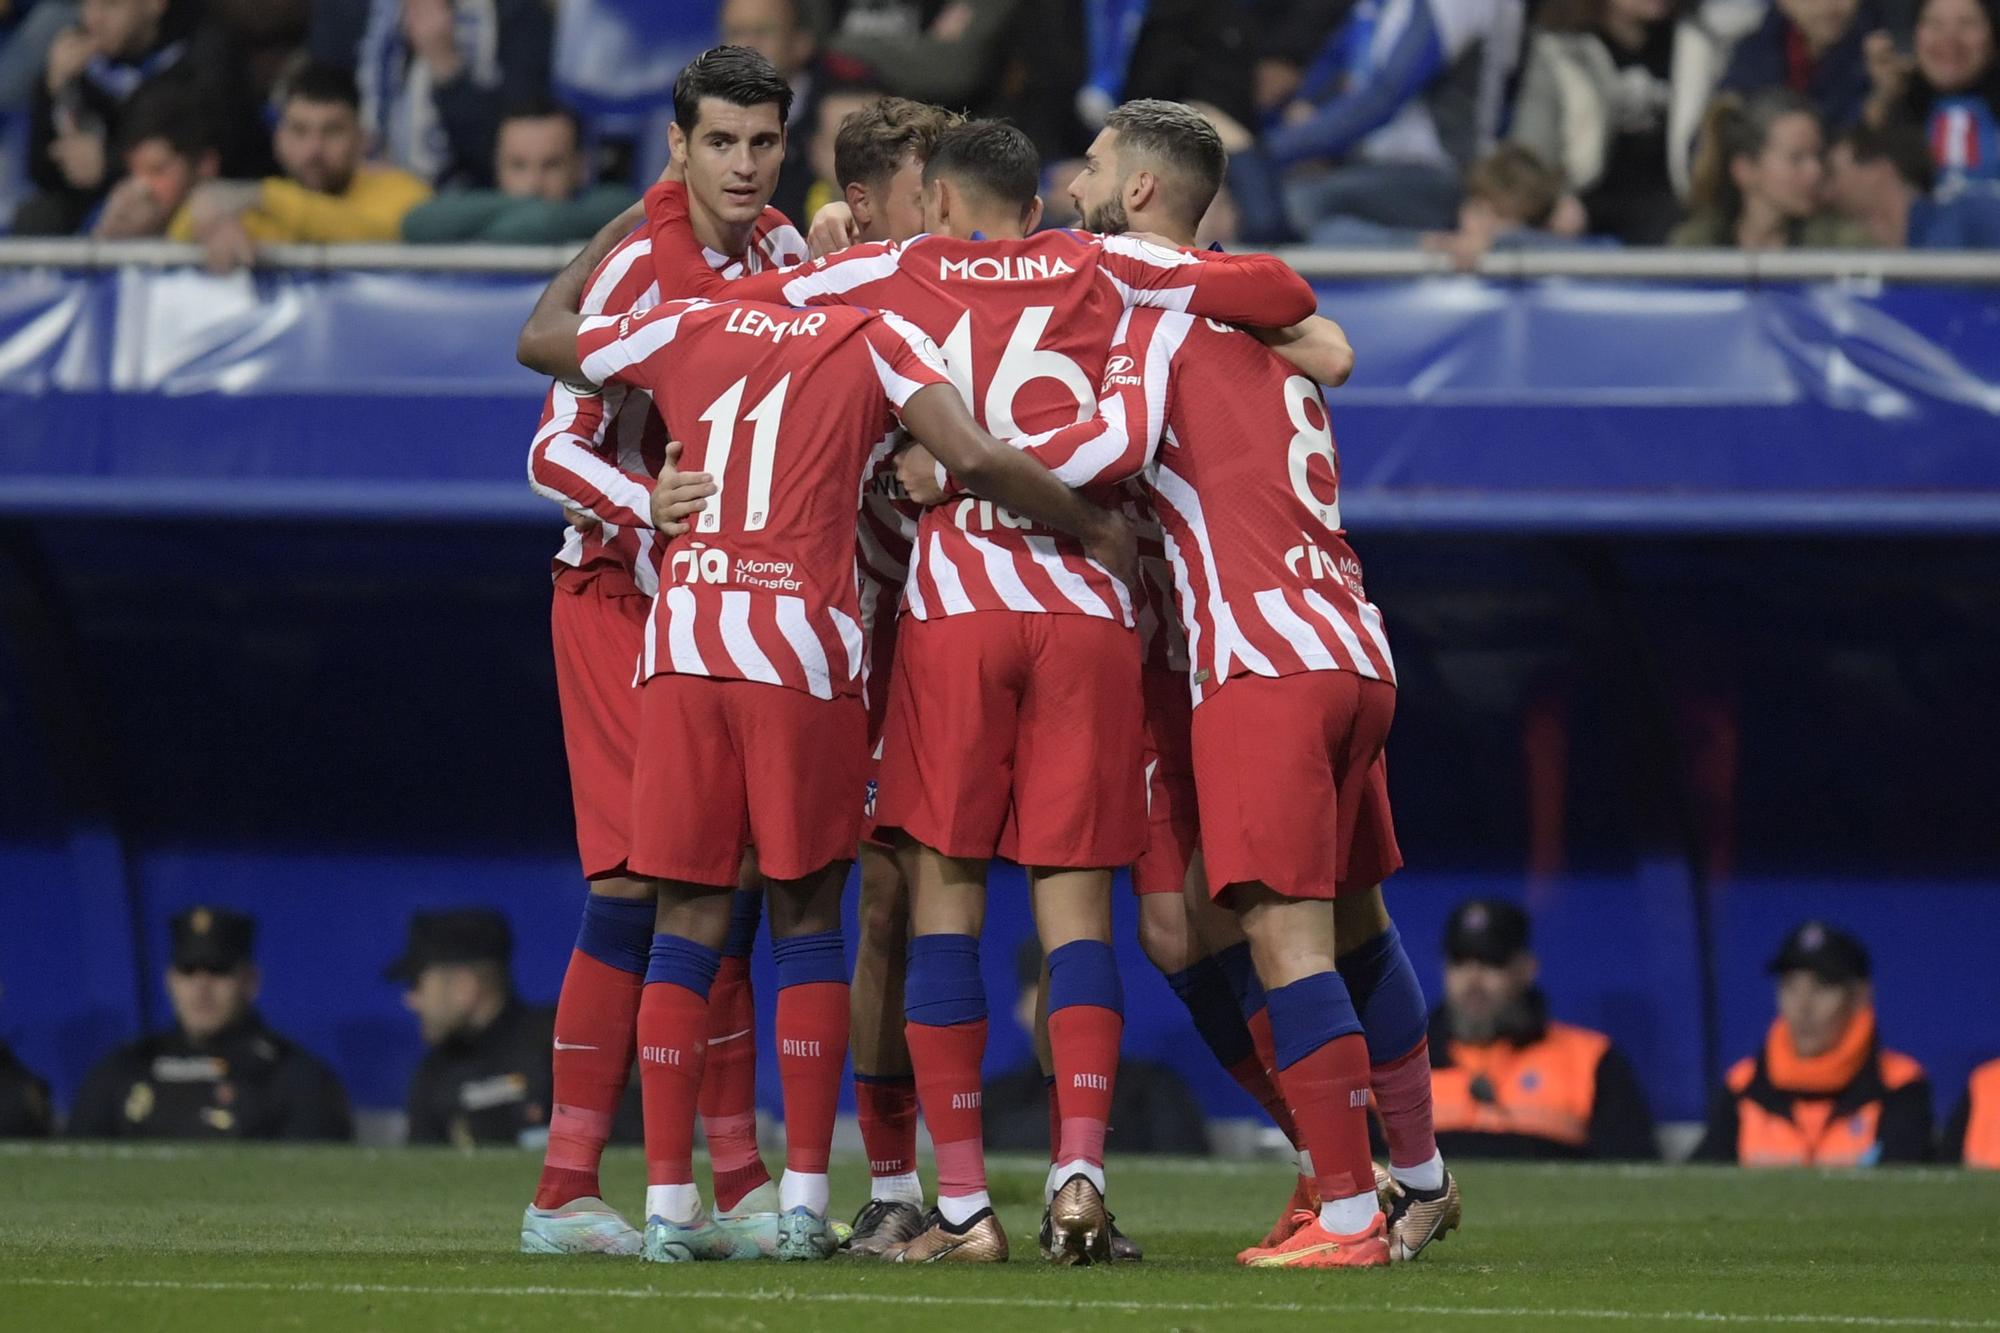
(1972, 1135)
(487, 1075)
(219, 1072)
(1506, 1079)
(25, 1111)
(1824, 1091)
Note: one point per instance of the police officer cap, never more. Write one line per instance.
(1830, 954)
(211, 938)
(1485, 930)
(461, 935)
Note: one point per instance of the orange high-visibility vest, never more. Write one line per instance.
(1812, 1135)
(1546, 1089)
(1982, 1128)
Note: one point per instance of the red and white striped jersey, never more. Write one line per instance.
(789, 410)
(1246, 482)
(1162, 641)
(1025, 326)
(591, 448)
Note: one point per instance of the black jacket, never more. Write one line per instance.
(247, 1082)
(492, 1087)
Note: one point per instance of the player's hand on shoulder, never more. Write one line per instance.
(679, 496)
(1116, 547)
(833, 229)
(920, 475)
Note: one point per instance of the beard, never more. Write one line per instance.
(1108, 219)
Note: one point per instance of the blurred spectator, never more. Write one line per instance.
(27, 28)
(1757, 178)
(836, 105)
(25, 1110)
(1950, 90)
(950, 54)
(1513, 201)
(435, 75)
(785, 32)
(219, 1072)
(1178, 50)
(1824, 1091)
(1399, 104)
(1508, 1081)
(328, 194)
(168, 149)
(1612, 94)
(540, 199)
(1881, 179)
(487, 1077)
(1152, 1110)
(1814, 47)
(266, 36)
(1972, 1135)
(90, 76)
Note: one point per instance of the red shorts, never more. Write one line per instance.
(726, 765)
(1019, 735)
(1373, 855)
(598, 625)
(1283, 769)
(1172, 830)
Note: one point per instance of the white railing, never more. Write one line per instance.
(1971, 266)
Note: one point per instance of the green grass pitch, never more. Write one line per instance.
(145, 1238)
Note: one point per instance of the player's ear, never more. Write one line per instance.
(1140, 190)
(677, 142)
(858, 204)
(1031, 216)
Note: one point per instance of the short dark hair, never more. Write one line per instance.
(991, 157)
(540, 106)
(1179, 138)
(1898, 143)
(736, 75)
(873, 141)
(167, 110)
(323, 84)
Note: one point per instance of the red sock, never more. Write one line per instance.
(1328, 1092)
(947, 1063)
(729, 1089)
(1403, 1100)
(1084, 1041)
(887, 1107)
(673, 1022)
(1266, 1046)
(1253, 1078)
(1055, 1118)
(812, 1049)
(597, 1014)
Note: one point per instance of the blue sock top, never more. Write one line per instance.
(941, 985)
(1085, 972)
(745, 911)
(1242, 977)
(617, 932)
(1212, 1006)
(682, 962)
(804, 959)
(1308, 1014)
(1387, 995)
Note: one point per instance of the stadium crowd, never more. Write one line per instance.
(1461, 127)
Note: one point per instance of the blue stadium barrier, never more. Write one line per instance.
(266, 546)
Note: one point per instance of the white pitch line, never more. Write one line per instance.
(1034, 1302)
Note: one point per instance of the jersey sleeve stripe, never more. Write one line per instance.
(841, 276)
(898, 389)
(798, 632)
(1176, 299)
(628, 350)
(597, 298)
